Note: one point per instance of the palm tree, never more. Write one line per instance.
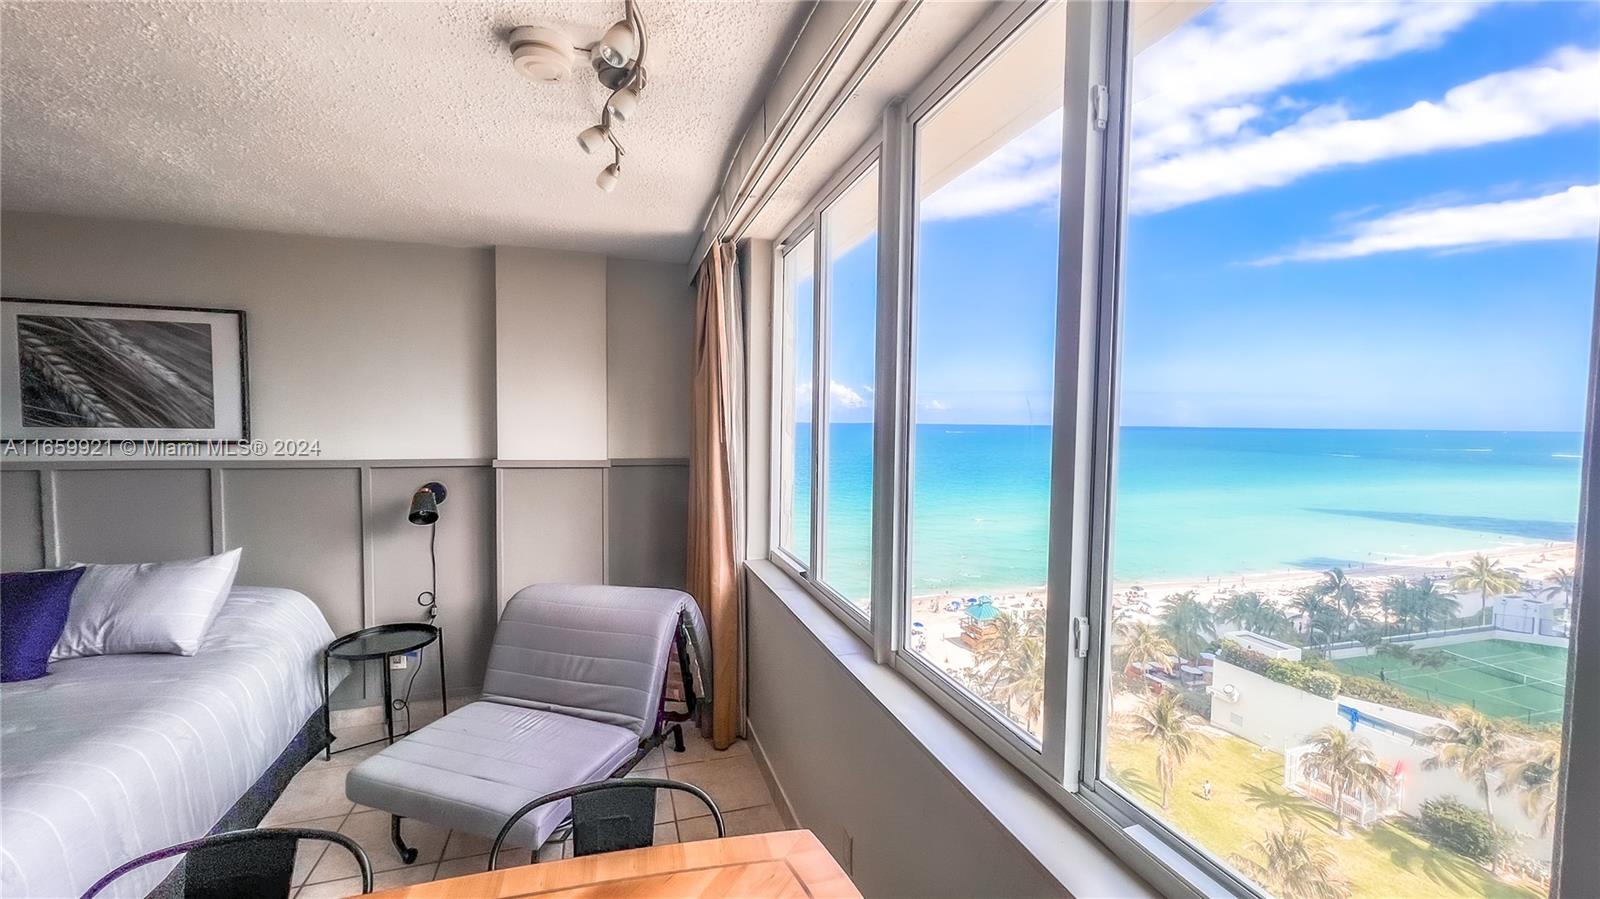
(1472, 745)
(1253, 613)
(1165, 723)
(1486, 578)
(1140, 642)
(1187, 624)
(1320, 614)
(1009, 634)
(1022, 682)
(1293, 865)
(1346, 764)
(1344, 595)
(1534, 773)
(1560, 585)
(1431, 605)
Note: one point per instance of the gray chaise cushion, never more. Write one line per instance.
(596, 652)
(471, 769)
(574, 684)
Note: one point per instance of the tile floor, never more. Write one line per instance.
(315, 798)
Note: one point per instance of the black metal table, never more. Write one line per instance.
(382, 641)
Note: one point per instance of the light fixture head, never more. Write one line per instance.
(619, 45)
(608, 177)
(594, 138)
(541, 53)
(623, 104)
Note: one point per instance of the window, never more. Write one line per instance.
(1343, 541)
(828, 393)
(984, 307)
(1291, 589)
(850, 234)
(795, 401)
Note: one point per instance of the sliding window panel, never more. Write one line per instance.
(1356, 293)
(850, 304)
(987, 175)
(797, 360)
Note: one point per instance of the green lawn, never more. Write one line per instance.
(1248, 798)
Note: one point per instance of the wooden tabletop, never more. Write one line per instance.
(788, 864)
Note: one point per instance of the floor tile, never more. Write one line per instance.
(351, 736)
(734, 783)
(313, 793)
(461, 867)
(666, 834)
(762, 819)
(338, 889)
(371, 830)
(655, 760)
(462, 844)
(698, 749)
(309, 852)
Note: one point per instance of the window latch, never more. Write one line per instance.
(1080, 636)
(1101, 103)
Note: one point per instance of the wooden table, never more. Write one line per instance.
(787, 864)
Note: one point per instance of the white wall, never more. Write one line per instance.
(649, 359)
(1268, 713)
(550, 354)
(379, 350)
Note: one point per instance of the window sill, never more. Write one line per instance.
(1067, 851)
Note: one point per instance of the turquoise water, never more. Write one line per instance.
(1197, 502)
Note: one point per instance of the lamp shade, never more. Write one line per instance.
(624, 104)
(593, 138)
(618, 45)
(607, 179)
(425, 503)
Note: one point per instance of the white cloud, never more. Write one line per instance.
(1025, 171)
(1572, 213)
(844, 397)
(1248, 52)
(1564, 90)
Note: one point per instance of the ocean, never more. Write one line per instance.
(1197, 502)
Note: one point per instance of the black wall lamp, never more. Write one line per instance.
(425, 505)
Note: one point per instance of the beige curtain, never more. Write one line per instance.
(715, 465)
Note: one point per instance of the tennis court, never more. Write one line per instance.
(1500, 678)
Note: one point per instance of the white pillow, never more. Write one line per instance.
(155, 607)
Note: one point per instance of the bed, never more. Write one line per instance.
(112, 756)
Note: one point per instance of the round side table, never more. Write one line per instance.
(382, 641)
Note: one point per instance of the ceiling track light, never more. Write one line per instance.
(545, 54)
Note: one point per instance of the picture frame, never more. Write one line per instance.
(79, 369)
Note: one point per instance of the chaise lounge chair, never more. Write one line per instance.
(573, 694)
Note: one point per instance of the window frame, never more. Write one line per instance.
(1065, 763)
(809, 223)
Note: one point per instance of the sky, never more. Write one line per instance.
(1363, 215)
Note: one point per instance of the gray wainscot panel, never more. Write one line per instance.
(21, 522)
(551, 527)
(301, 529)
(646, 523)
(465, 548)
(133, 514)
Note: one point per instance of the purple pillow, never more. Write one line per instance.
(33, 612)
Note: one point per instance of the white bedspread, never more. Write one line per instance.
(110, 757)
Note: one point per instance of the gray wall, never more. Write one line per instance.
(505, 373)
(846, 765)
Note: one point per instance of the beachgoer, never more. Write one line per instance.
(1382, 676)
(1205, 789)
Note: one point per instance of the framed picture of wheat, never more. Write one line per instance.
(121, 372)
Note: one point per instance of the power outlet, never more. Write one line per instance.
(398, 662)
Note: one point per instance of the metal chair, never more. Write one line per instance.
(610, 815)
(256, 863)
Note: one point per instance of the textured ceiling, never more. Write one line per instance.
(400, 121)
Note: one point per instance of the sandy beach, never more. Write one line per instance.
(1534, 562)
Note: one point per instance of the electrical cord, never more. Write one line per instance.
(428, 599)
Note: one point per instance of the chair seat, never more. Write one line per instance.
(473, 768)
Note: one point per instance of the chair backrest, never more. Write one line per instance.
(610, 815)
(256, 862)
(595, 652)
